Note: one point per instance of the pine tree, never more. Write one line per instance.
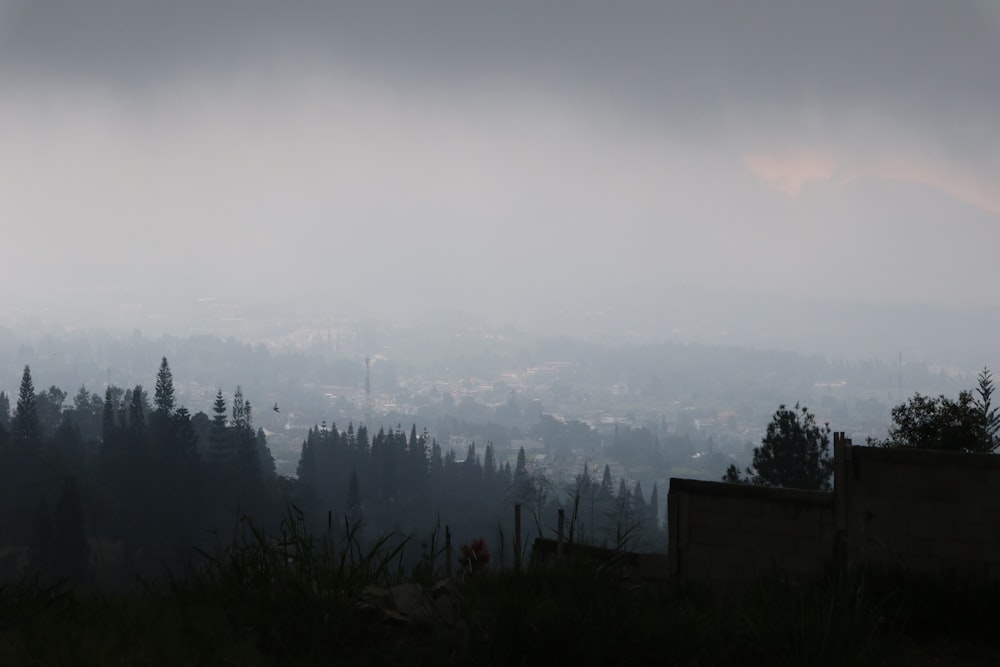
(244, 437)
(333, 461)
(471, 468)
(186, 437)
(794, 452)
(349, 437)
(624, 500)
(489, 464)
(26, 427)
(521, 469)
(108, 417)
(4, 410)
(164, 398)
(137, 414)
(219, 443)
(361, 440)
(379, 464)
(87, 413)
(523, 490)
(239, 415)
(417, 449)
(607, 489)
(305, 470)
(653, 508)
(989, 415)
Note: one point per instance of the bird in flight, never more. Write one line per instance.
(276, 408)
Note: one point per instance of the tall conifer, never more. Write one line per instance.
(26, 427)
(4, 410)
(164, 398)
(219, 448)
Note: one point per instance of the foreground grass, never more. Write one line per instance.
(252, 603)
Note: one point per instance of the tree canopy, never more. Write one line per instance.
(967, 424)
(795, 452)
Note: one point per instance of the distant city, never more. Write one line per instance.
(466, 380)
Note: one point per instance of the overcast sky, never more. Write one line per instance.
(489, 154)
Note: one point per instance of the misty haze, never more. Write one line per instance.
(302, 299)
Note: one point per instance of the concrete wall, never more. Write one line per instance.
(929, 512)
(735, 533)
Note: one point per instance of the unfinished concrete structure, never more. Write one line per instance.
(928, 512)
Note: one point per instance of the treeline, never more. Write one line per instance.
(106, 489)
(394, 481)
(122, 486)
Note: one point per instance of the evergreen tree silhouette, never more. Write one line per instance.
(4, 410)
(653, 509)
(219, 442)
(164, 396)
(137, 415)
(25, 426)
(794, 452)
(245, 438)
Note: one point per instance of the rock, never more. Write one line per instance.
(447, 601)
(411, 600)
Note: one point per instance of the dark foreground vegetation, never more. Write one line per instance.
(302, 600)
(124, 487)
(118, 545)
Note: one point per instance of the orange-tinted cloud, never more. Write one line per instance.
(792, 171)
(965, 187)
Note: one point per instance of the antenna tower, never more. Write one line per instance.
(368, 390)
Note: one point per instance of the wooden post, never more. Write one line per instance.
(517, 536)
(447, 552)
(842, 461)
(559, 539)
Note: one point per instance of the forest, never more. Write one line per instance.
(133, 485)
(133, 529)
(465, 425)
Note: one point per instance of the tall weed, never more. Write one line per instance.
(832, 622)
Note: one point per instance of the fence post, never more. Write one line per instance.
(517, 536)
(841, 484)
(447, 552)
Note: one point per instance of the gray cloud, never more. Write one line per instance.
(500, 151)
(812, 71)
(917, 56)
